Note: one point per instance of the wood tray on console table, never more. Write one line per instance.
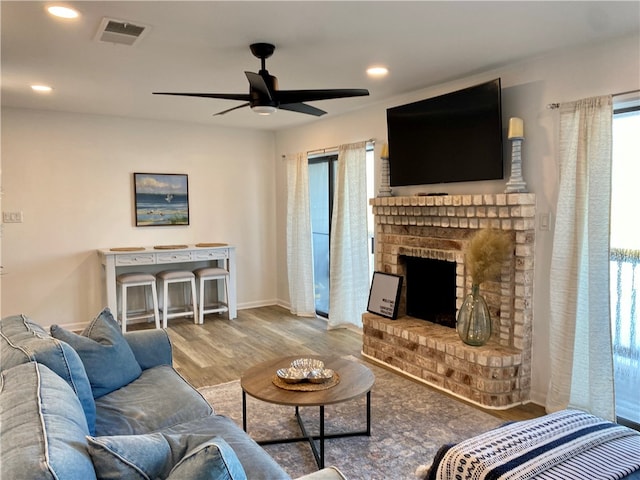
(204, 245)
(127, 249)
(170, 247)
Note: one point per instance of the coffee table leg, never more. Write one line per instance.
(321, 462)
(369, 413)
(244, 410)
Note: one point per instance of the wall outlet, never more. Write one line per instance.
(12, 217)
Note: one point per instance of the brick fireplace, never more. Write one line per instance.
(498, 374)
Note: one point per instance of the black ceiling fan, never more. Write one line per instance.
(265, 98)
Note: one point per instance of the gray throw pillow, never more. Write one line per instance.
(108, 360)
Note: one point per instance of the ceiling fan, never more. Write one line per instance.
(264, 97)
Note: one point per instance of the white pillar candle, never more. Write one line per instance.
(516, 128)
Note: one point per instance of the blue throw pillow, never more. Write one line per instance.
(159, 455)
(108, 360)
(212, 460)
(22, 340)
(44, 430)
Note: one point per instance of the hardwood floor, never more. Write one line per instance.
(221, 350)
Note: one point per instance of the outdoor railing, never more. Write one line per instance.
(625, 278)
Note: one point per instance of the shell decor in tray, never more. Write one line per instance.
(305, 370)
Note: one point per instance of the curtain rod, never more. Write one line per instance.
(333, 149)
(554, 106)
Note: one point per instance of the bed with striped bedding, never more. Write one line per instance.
(565, 445)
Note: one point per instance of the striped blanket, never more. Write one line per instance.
(565, 445)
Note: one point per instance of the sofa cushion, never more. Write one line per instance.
(157, 455)
(108, 360)
(22, 340)
(158, 399)
(44, 428)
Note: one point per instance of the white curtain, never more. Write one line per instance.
(299, 243)
(349, 262)
(580, 329)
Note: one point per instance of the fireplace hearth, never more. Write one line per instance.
(495, 375)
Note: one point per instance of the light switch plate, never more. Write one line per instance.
(12, 217)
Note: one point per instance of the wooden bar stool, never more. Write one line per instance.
(204, 275)
(126, 281)
(168, 277)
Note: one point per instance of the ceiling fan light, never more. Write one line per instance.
(264, 109)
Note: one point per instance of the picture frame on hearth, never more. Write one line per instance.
(384, 295)
(161, 199)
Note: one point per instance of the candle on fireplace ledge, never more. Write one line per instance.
(385, 151)
(516, 128)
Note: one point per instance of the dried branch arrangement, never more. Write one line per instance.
(486, 252)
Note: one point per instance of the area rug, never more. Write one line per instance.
(409, 422)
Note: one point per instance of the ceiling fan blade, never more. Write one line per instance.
(302, 108)
(225, 96)
(257, 83)
(297, 96)
(231, 109)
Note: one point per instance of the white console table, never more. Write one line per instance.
(152, 260)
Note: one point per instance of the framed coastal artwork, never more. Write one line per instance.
(161, 199)
(384, 295)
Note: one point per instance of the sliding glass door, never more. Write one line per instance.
(322, 176)
(625, 263)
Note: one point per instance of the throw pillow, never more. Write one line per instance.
(43, 427)
(108, 360)
(23, 340)
(212, 460)
(159, 455)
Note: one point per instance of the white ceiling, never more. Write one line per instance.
(203, 46)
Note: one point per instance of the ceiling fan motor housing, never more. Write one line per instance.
(261, 98)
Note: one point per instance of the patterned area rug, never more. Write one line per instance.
(409, 422)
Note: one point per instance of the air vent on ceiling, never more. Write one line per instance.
(121, 32)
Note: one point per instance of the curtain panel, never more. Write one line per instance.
(349, 261)
(299, 241)
(580, 329)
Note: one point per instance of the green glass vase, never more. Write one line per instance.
(474, 321)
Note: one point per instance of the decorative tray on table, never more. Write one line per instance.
(306, 374)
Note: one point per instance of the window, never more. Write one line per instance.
(625, 260)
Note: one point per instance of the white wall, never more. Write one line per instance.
(71, 176)
(527, 89)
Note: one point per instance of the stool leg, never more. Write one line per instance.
(201, 304)
(194, 302)
(226, 293)
(165, 304)
(156, 312)
(123, 315)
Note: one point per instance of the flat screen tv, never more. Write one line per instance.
(456, 137)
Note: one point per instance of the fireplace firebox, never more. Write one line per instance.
(431, 290)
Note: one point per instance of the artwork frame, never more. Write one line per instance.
(384, 295)
(161, 199)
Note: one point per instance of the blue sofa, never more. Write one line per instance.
(105, 405)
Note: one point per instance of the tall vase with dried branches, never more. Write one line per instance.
(485, 254)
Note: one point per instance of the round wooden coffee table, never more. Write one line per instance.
(355, 380)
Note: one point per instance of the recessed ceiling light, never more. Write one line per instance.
(41, 88)
(63, 12)
(377, 71)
